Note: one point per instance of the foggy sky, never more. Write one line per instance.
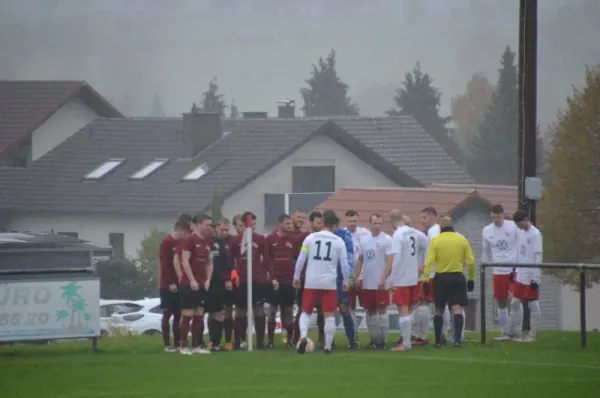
(261, 50)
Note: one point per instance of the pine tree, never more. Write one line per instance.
(212, 100)
(234, 113)
(327, 94)
(420, 99)
(157, 108)
(494, 149)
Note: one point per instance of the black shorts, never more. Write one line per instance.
(215, 300)
(450, 289)
(285, 296)
(260, 293)
(299, 294)
(169, 300)
(191, 299)
(229, 298)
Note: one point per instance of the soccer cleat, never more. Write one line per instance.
(202, 344)
(185, 351)
(260, 345)
(333, 346)
(371, 346)
(270, 346)
(243, 344)
(382, 346)
(503, 337)
(327, 351)
(419, 342)
(215, 348)
(401, 348)
(171, 349)
(228, 347)
(289, 344)
(200, 351)
(527, 339)
(302, 346)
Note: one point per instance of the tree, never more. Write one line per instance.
(212, 100)
(148, 257)
(494, 149)
(570, 209)
(468, 109)
(326, 94)
(121, 279)
(418, 98)
(216, 205)
(234, 113)
(157, 108)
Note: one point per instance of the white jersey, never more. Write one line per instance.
(357, 236)
(499, 245)
(323, 250)
(374, 250)
(432, 232)
(529, 251)
(408, 247)
(423, 253)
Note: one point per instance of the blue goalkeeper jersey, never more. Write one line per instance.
(347, 237)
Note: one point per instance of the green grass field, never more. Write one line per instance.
(554, 366)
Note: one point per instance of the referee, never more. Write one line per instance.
(448, 252)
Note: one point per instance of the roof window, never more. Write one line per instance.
(149, 169)
(196, 173)
(104, 169)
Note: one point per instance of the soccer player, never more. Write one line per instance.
(220, 293)
(407, 248)
(282, 250)
(526, 280)
(358, 233)
(197, 269)
(323, 250)
(375, 255)
(261, 282)
(315, 219)
(168, 281)
(499, 245)
(298, 219)
(449, 251)
(343, 296)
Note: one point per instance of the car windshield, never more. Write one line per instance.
(127, 309)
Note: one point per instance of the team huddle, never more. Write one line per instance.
(330, 268)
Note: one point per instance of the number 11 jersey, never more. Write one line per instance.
(324, 250)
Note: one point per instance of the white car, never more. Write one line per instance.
(144, 319)
(109, 307)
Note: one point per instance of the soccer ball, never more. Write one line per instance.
(310, 346)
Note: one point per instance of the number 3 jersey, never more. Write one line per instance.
(322, 251)
(374, 251)
(409, 248)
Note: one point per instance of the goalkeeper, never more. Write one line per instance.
(342, 296)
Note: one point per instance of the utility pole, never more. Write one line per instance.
(527, 112)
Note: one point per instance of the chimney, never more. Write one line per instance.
(200, 129)
(254, 115)
(286, 109)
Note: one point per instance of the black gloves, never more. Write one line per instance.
(426, 288)
(470, 286)
(511, 277)
(534, 285)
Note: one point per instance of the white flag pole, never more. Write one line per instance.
(250, 310)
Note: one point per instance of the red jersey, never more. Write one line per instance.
(166, 271)
(261, 262)
(282, 251)
(200, 249)
(301, 236)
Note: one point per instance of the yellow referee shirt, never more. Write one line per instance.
(449, 251)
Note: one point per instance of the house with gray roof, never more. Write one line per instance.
(117, 179)
(35, 116)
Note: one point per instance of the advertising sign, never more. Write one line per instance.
(46, 310)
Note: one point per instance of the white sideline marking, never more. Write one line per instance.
(306, 387)
(496, 362)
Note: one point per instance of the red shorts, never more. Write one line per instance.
(352, 295)
(326, 298)
(524, 292)
(405, 295)
(373, 300)
(501, 287)
(421, 295)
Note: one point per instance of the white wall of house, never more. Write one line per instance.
(350, 170)
(95, 228)
(570, 306)
(64, 123)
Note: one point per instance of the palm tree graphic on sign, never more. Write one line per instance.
(76, 307)
(61, 317)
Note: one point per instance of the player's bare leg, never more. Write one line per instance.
(405, 321)
(288, 322)
(228, 327)
(260, 325)
(516, 319)
(271, 325)
(184, 330)
(216, 332)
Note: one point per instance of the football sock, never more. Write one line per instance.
(289, 327)
(423, 315)
(349, 327)
(384, 326)
(271, 330)
(176, 323)
(516, 318)
(321, 325)
(184, 329)
(228, 326)
(211, 328)
(373, 327)
(166, 328)
(259, 327)
(355, 323)
(458, 327)
(304, 324)
(329, 331)
(197, 330)
(406, 330)
(240, 329)
(218, 327)
(464, 314)
(536, 316)
(438, 323)
(503, 320)
(446, 328)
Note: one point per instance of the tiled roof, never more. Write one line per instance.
(446, 198)
(249, 148)
(25, 105)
